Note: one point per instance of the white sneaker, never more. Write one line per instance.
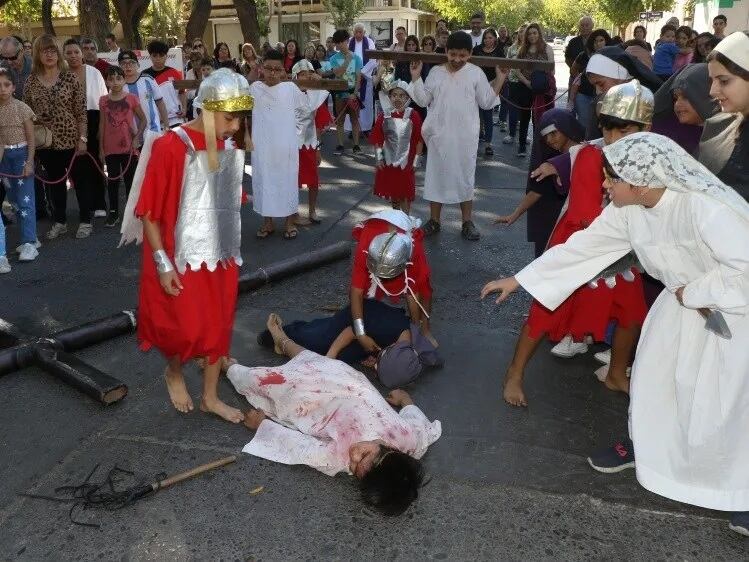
(28, 252)
(568, 348)
(603, 356)
(56, 230)
(603, 371)
(509, 139)
(4, 265)
(84, 230)
(101, 213)
(36, 245)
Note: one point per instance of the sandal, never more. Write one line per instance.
(469, 231)
(431, 227)
(314, 220)
(263, 233)
(290, 234)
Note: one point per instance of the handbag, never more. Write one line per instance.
(42, 136)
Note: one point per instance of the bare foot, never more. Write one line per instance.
(617, 383)
(275, 327)
(253, 418)
(513, 390)
(216, 406)
(175, 385)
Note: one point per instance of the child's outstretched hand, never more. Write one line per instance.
(170, 283)
(505, 219)
(504, 287)
(399, 398)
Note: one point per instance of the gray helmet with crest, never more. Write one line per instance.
(388, 254)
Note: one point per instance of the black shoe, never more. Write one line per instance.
(614, 459)
(356, 149)
(339, 150)
(739, 523)
(264, 339)
(489, 151)
(112, 220)
(469, 231)
(521, 153)
(431, 227)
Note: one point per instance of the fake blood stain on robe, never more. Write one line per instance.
(272, 378)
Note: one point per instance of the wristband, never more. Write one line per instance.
(379, 155)
(359, 327)
(163, 263)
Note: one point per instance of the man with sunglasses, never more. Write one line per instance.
(12, 56)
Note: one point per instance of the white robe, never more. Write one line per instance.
(451, 129)
(319, 407)
(689, 408)
(275, 158)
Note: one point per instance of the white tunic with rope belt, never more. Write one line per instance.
(689, 408)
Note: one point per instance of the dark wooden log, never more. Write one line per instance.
(332, 85)
(439, 58)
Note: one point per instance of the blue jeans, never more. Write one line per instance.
(584, 109)
(21, 192)
(504, 107)
(487, 120)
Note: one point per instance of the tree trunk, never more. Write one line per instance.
(198, 20)
(94, 20)
(47, 17)
(247, 14)
(130, 13)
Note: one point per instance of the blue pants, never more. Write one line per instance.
(487, 120)
(504, 107)
(584, 109)
(20, 193)
(383, 323)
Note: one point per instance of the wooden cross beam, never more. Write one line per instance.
(336, 85)
(439, 58)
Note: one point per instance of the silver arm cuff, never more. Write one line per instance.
(379, 155)
(163, 263)
(359, 327)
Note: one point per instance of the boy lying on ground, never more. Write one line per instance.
(321, 412)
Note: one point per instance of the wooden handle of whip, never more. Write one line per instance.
(196, 471)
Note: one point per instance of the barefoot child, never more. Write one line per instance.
(17, 159)
(189, 205)
(275, 157)
(397, 136)
(118, 137)
(309, 143)
(322, 413)
(454, 92)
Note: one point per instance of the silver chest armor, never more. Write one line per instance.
(397, 132)
(305, 127)
(208, 223)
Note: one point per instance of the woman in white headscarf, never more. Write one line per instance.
(689, 409)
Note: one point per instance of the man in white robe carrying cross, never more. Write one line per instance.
(454, 92)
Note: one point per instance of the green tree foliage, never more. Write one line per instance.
(165, 19)
(622, 12)
(20, 15)
(343, 13)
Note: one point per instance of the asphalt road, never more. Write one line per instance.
(506, 483)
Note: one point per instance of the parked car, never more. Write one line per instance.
(558, 41)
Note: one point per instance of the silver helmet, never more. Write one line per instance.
(388, 254)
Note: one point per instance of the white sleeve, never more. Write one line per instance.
(426, 432)
(420, 92)
(486, 97)
(726, 285)
(278, 443)
(560, 270)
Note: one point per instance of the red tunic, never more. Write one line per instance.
(419, 270)
(587, 310)
(198, 322)
(308, 175)
(323, 118)
(394, 183)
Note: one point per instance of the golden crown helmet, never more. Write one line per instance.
(224, 90)
(630, 101)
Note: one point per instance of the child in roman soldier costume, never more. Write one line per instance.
(397, 137)
(187, 194)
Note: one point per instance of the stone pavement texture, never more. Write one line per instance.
(506, 483)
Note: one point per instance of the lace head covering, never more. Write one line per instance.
(652, 160)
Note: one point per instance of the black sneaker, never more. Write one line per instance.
(489, 151)
(740, 523)
(469, 231)
(338, 150)
(112, 220)
(356, 149)
(614, 459)
(521, 153)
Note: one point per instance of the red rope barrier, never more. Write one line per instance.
(69, 168)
